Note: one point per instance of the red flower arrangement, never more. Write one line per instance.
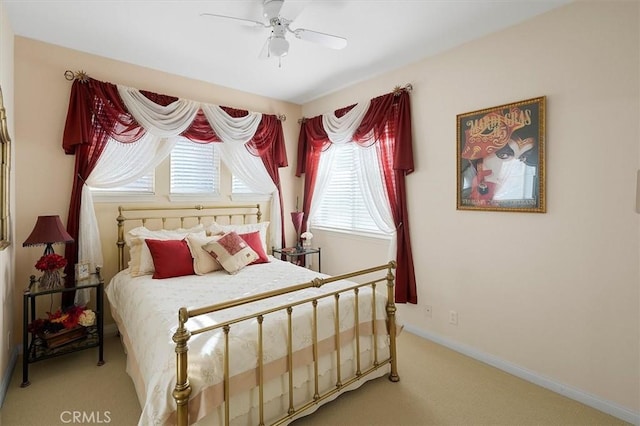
(51, 262)
(67, 319)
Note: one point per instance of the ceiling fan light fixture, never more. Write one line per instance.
(278, 46)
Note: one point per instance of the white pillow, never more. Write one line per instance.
(218, 229)
(203, 262)
(141, 262)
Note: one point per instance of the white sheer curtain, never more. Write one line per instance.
(325, 164)
(374, 194)
(134, 160)
(340, 131)
(163, 124)
(163, 121)
(235, 132)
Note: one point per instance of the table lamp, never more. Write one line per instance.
(48, 231)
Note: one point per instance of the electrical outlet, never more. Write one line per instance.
(428, 310)
(453, 317)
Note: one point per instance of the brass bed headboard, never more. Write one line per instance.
(160, 217)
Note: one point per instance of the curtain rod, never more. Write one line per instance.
(396, 91)
(84, 77)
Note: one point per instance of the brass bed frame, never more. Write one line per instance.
(248, 214)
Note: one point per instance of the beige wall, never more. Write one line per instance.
(44, 173)
(555, 294)
(7, 340)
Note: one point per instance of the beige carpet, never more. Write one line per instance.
(437, 387)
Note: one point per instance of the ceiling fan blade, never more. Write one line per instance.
(264, 52)
(242, 21)
(327, 40)
(292, 8)
(271, 9)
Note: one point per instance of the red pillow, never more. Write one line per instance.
(171, 258)
(255, 242)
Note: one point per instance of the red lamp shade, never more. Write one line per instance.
(48, 231)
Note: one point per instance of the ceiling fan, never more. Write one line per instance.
(277, 44)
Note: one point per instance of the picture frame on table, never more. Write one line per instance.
(83, 271)
(500, 157)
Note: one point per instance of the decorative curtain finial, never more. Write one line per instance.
(81, 76)
(282, 117)
(399, 89)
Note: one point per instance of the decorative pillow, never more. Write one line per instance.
(141, 262)
(231, 251)
(171, 258)
(217, 229)
(203, 262)
(253, 239)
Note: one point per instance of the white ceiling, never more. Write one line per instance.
(171, 36)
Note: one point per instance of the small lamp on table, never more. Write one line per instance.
(48, 231)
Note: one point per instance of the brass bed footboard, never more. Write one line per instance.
(323, 349)
(182, 335)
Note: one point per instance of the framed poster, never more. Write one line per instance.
(500, 158)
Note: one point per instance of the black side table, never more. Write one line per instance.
(35, 348)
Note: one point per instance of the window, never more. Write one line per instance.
(343, 207)
(239, 187)
(195, 168)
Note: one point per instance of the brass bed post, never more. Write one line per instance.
(182, 391)
(356, 291)
(374, 328)
(290, 358)
(337, 331)
(260, 369)
(391, 325)
(226, 376)
(316, 393)
(120, 243)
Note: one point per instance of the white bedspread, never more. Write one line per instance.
(146, 311)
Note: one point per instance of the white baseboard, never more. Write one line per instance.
(530, 376)
(6, 377)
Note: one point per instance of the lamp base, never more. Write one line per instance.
(50, 280)
(48, 249)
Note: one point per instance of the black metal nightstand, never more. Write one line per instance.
(36, 347)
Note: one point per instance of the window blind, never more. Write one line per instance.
(342, 206)
(195, 168)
